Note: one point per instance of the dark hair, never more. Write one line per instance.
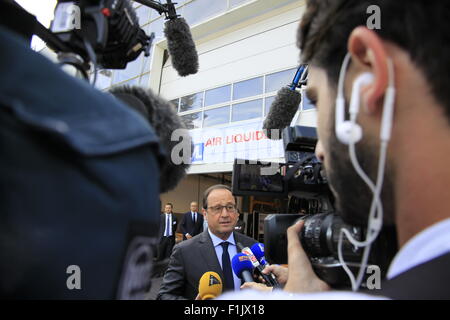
(169, 204)
(208, 191)
(419, 27)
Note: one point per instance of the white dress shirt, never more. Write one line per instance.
(431, 243)
(168, 233)
(428, 244)
(232, 251)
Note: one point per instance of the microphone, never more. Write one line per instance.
(285, 105)
(209, 286)
(163, 118)
(258, 251)
(270, 281)
(242, 267)
(181, 46)
(282, 112)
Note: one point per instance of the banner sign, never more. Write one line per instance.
(244, 141)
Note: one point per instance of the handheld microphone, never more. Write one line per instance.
(258, 251)
(242, 267)
(209, 286)
(270, 281)
(164, 120)
(285, 105)
(181, 46)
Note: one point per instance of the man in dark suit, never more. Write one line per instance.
(210, 251)
(167, 229)
(192, 223)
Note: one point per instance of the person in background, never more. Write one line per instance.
(167, 229)
(192, 222)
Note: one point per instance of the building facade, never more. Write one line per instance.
(247, 52)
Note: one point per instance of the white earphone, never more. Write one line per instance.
(349, 132)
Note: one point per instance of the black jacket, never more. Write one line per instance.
(162, 225)
(189, 261)
(188, 226)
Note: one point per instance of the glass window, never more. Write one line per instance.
(103, 79)
(247, 110)
(218, 95)
(143, 81)
(276, 81)
(175, 103)
(191, 102)
(192, 120)
(248, 88)
(199, 10)
(269, 101)
(146, 66)
(143, 14)
(307, 105)
(133, 69)
(235, 3)
(216, 116)
(157, 26)
(132, 82)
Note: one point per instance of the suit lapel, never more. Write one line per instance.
(209, 254)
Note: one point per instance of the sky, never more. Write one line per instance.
(43, 10)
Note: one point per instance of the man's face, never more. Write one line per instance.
(353, 197)
(168, 208)
(221, 222)
(194, 207)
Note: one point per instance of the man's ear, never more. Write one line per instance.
(369, 55)
(204, 214)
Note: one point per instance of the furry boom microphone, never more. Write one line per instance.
(164, 120)
(286, 104)
(181, 46)
(282, 111)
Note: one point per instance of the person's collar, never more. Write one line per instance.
(424, 246)
(217, 241)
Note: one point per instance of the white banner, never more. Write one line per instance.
(244, 141)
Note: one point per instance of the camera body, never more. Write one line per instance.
(303, 180)
(105, 30)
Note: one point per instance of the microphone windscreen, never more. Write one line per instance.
(258, 251)
(241, 262)
(282, 111)
(181, 46)
(209, 286)
(163, 118)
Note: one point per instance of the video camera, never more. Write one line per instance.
(303, 180)
(105, 33)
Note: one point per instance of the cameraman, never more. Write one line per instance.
(414, 36)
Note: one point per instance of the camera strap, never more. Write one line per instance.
(427, 281)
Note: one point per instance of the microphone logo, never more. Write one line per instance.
(243, 258)
(213, 280)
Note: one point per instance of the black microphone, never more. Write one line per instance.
(285, 105)
(270, 281)
(281, 112)
(181, 46)
(162, 116)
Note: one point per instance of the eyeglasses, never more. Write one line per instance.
(231, 208)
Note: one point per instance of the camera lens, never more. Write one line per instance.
(313, 234)
(320, 236)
